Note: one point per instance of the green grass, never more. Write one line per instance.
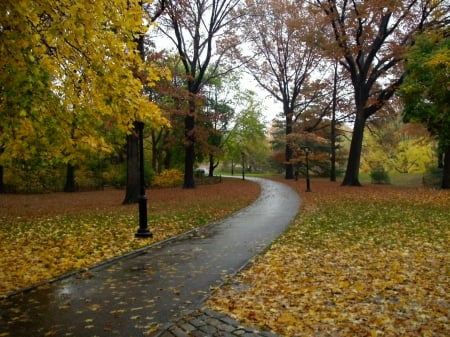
(356, 261)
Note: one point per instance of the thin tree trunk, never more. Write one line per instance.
(333, 127)
(132, 188)
(354, 159)
(446, 175)
(211, 166)
(289, 173)
(189, 123)
(70, 179)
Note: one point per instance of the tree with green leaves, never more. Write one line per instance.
(425, 90)
(248, 136)
(369, 38)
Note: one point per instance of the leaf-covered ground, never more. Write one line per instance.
(44, 236)
(370, 261)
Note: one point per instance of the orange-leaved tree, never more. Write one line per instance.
(369, 38)
(197, 30)
(280, 51)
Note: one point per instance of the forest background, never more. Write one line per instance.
(363, 88)
(78, 79)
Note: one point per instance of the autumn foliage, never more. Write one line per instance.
(369, 261)
(45, 236)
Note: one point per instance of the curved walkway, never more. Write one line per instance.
(140, 294)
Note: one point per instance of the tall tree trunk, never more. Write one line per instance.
(132, 189)
(333, 150)
(70, 179)
(289, 167)
(167, 158)
(446, 175)
(189, 123)
(211, 165)
(354, 159)
(333, 126)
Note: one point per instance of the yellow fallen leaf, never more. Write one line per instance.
(287, 318)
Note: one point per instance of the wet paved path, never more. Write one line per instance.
(160, 284)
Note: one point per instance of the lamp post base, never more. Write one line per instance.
(143, 233)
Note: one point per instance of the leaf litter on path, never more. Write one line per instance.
(44, 236)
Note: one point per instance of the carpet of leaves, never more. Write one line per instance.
(47, 235)
(357, 261)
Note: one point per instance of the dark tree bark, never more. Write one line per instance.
(132, 189)
(193, 27)
(132, 192)
(289, 167)
(70, 179)
(446, 175)
(369, 44)
(351, 177)
(211, 166)
(333, 126)
(189, 124)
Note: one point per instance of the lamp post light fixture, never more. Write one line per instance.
(308, 184)
(143, 231)
(243, 165)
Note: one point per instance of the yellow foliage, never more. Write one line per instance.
(168, 178)
(83, 55)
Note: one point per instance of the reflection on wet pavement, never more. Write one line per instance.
(135, 295)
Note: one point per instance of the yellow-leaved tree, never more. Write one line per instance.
(71, 77)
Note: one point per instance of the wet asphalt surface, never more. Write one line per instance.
(142, 293)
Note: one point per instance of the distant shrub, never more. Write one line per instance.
(200, 173)
(24, 179)
(168, 178)
(379, 176)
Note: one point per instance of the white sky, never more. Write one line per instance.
(271, 107)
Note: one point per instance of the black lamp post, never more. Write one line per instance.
(243, 165)
(308, 185)
(143, 231)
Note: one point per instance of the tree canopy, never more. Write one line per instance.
(425, 90)
(280, 51)
(369, 39)
(195, 28)
(71, 76)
